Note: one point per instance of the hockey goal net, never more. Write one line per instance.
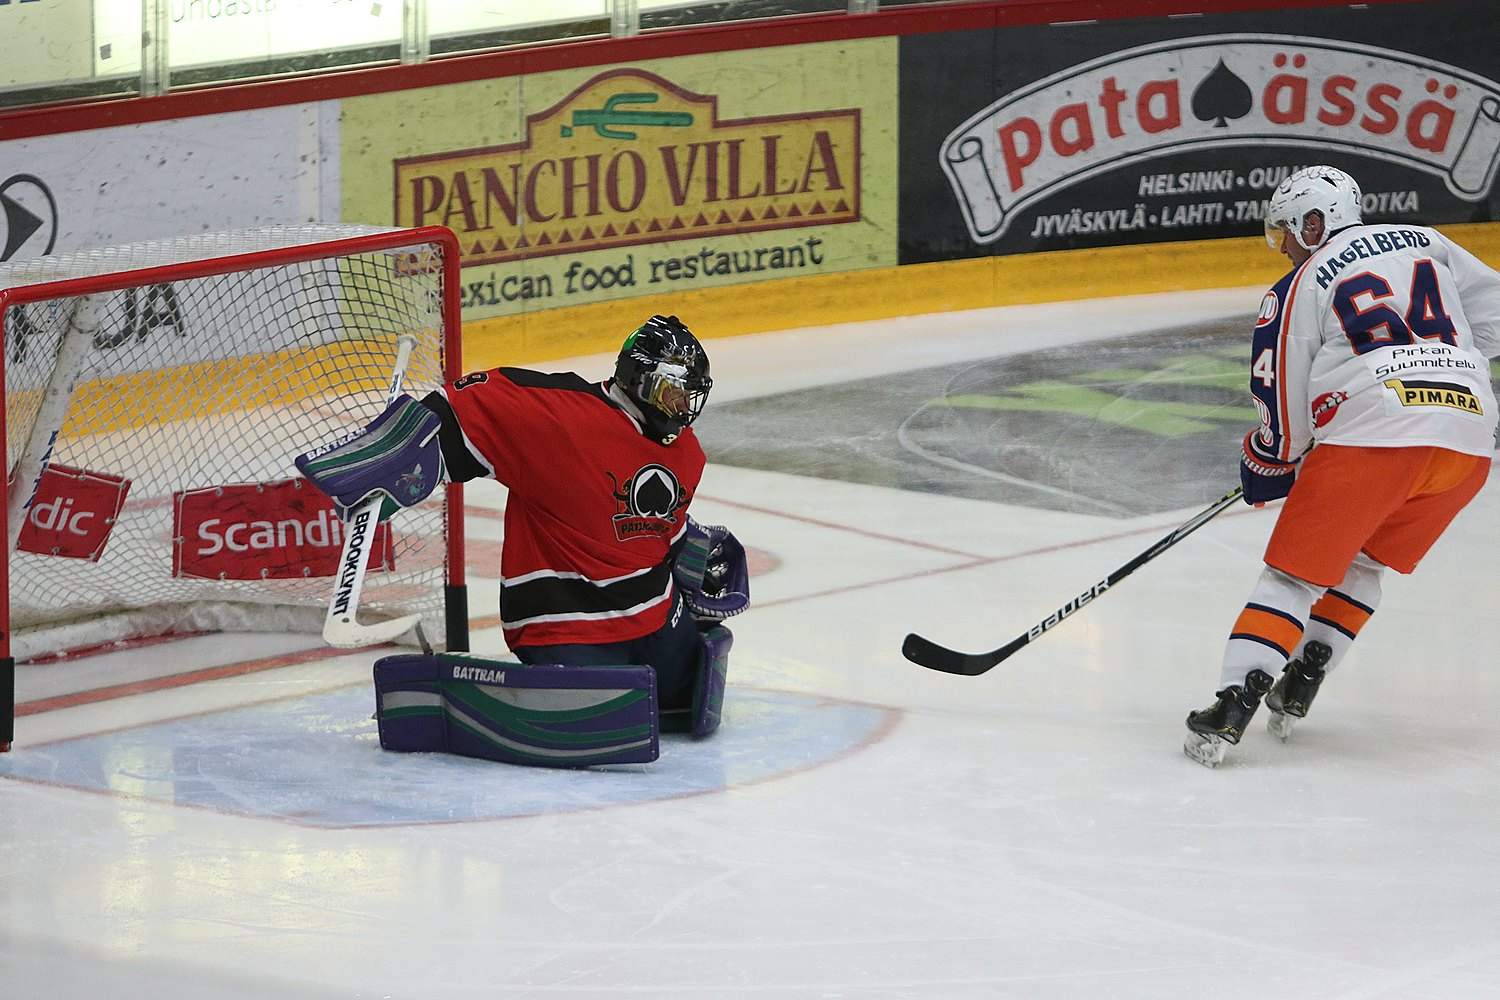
(155, 395)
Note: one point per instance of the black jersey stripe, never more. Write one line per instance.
(461, 462)
(572, 598)
(563, 381)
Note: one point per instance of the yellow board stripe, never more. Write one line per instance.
(194, 391)
(909, 290)
(757, 307)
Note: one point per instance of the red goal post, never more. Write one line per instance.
(155, 395)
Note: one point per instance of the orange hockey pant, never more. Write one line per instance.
(1391, 503)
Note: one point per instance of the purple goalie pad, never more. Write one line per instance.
(708, 692)
(397, 457)
(538, 715)
(409, 703)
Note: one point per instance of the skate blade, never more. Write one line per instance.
(1205, 748)
(1279, 725)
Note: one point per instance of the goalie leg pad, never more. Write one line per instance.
(708, 692)
(539, 715)
(409, 704)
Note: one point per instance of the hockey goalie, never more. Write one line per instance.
(612, 597)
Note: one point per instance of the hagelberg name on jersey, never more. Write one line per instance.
(1365, 247)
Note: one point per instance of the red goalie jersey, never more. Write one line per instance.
(595, 510)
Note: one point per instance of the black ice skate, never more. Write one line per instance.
(1293, 694)
(1213, 729)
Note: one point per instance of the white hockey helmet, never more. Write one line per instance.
(1326, 190)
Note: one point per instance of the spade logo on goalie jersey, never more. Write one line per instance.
(648, 503)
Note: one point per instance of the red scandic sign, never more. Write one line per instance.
(73, 513)
(281, 530)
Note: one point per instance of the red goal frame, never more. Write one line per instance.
(455, 585)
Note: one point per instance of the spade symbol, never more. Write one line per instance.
(1220, 96)
(654, 496)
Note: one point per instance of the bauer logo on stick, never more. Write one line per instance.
(1067, 609)
(926, 653)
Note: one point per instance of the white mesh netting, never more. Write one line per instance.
(196, 387)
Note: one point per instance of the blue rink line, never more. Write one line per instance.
(316, 761)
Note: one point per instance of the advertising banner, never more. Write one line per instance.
(73, 513)
(103, 187)
(262, 531)
(601, 183)
(1110, 133)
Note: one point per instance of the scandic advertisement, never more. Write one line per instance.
(667, 175)
(73, 513)
(1073, 136)
(263, 531)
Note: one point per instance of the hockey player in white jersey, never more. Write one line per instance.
(1369, 369)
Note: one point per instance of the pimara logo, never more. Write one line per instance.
(628, 158)
(1221, 90)
(1415, 392)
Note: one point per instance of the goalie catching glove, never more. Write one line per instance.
(711, 572)
(396, 457)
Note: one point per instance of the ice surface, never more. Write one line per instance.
(860, 827)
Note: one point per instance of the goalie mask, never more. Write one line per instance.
(1326, 190)
(664, 371)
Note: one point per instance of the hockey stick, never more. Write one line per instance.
(934, 657)
(340, 627)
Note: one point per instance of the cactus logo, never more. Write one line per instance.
(28, 218)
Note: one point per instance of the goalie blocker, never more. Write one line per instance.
(543, 715)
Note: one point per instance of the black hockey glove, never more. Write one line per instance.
(1264, 479)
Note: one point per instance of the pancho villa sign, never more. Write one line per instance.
(629, 158)
(1221, 90)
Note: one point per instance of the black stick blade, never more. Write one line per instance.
(926, 653)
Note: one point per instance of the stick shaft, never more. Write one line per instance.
(340, 627)
(927, 653)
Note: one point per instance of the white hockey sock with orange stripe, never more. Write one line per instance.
(1270, 628)
(1340, 613)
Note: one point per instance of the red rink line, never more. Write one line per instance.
(177, 680)
(970, 562)
(114, 646)
(246, 667)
